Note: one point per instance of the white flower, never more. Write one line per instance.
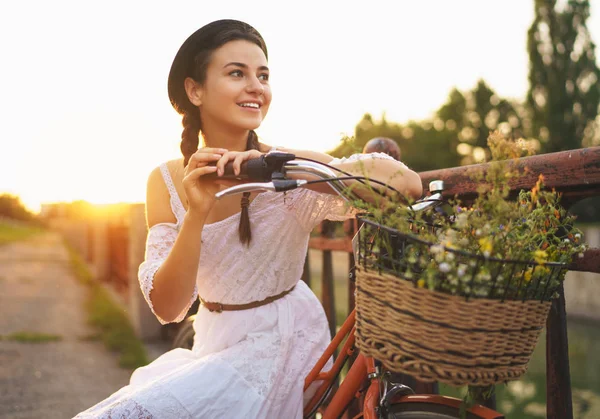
(450, 256)
(577, 236)
(436, 248)
(444, 267)
(462, 269)
(580, 255)
(478, 232)
(461, 220)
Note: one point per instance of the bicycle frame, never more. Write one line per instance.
(363, 368)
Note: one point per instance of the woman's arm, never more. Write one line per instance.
(174, 281)
(388, 171)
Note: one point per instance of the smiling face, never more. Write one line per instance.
(236, 91)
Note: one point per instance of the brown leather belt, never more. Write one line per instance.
(218, 307)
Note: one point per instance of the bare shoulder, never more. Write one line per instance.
(158, 202)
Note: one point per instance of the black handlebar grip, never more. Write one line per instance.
(254, 169)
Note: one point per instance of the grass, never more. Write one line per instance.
(10, 233)
(112, 325)
(31, 337)
(340, 282)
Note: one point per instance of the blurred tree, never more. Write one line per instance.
(473, 114)
(12, 207)
(457, 133)
(564, 92)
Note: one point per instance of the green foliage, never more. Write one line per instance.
(10, 232)
(114, 327)
(116, 331)
(11, 207)
(31, 337)
(564, 91)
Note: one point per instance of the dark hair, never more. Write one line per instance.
(192, 60)
(383, 145)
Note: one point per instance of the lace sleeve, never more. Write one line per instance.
(361, 156)
(312, 208)
(159, 242)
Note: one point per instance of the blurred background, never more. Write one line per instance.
(85, 115)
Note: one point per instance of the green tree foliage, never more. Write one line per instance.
(564, 92)
(456, 134)
(12, 207)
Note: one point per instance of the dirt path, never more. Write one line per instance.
(39, 294)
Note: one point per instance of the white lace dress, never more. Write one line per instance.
(244, 364)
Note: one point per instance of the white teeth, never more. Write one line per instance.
(250, 105)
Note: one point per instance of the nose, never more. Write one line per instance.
(255, 86)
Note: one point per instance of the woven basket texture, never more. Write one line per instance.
(435, 336)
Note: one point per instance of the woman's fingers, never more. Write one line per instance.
(200, 159)
(238, 158)
(194, 174)
(237, 163)
(212, 150)
(223, 161)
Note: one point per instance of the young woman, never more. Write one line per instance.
(249, 359)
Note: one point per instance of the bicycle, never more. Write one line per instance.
(366, 378)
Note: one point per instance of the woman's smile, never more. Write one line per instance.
(251, 105)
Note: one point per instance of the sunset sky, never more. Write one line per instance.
(83, 101)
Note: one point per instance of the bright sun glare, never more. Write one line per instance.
(86, 115)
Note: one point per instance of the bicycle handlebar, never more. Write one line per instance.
(270, 171)
(260, 169)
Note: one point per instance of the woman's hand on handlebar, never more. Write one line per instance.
(237, 158)
(200, 193)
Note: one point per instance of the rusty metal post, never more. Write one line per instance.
(350, 229)
(559, 404)
(327, 294)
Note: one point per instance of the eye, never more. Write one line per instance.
(236, 73)
(264, 77)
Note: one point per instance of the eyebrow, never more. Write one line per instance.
(242, 65)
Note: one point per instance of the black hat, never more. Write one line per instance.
(210, 36)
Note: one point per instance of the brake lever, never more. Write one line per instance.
(274, 186)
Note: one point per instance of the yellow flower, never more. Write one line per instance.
(421, 283)
(527, 275)
(486, 245)
(449, 245)
(540, 256)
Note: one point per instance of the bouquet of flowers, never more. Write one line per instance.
(498, 246)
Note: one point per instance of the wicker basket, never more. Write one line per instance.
(436, 336)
